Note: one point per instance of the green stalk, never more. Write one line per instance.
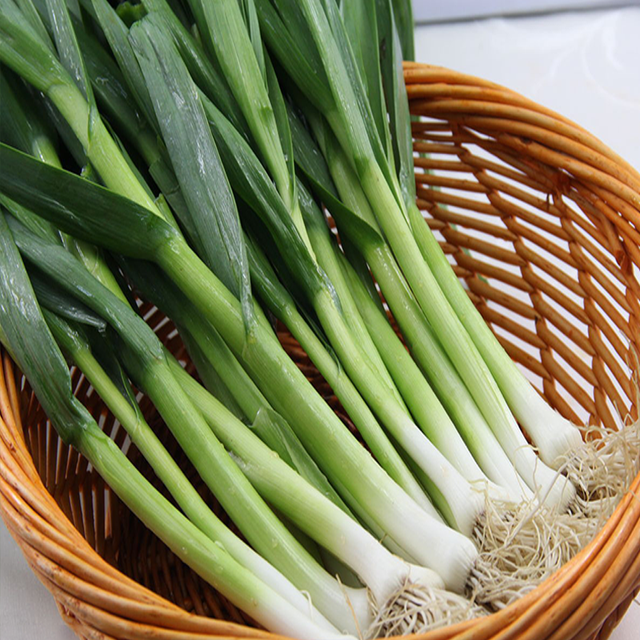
(553, 435)
(188, 499)
(437, 367)
(429, 413)
(324, 250)
(282, 487)
(463, 353)
(211, 352)
(322, 433)
(280, 303)
(94, 213)
(454, 497)
(423, 344)
(275, 432)
(192, 546)
(30, 343)
(144, 357)
(352, 133)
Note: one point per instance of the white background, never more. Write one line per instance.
(435, 10)
(584, 65)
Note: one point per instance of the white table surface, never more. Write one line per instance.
(584, 65)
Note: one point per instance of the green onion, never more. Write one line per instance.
(283, 307)
(275, 480)
(372, 170)
(234, 50)
(553, 435)
(145, 359)
(32, 346)
(222, 130)
(211, 352)
(93, 212)
(195, 158)
(121, 402)
(420, 338)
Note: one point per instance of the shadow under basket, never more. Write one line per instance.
(542, 223)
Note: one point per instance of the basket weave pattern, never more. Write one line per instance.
(542, 222)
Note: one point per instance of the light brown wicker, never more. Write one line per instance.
(542, 221)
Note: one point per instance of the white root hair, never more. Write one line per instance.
(417, 608)
(603, 468)
(520, 546)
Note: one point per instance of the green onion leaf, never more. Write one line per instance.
(32, 346)
(289, 38)
(69, 274)
(107, 219)
(203, 70)
(403, 10)
(59, 303)
(397, 101)
(67, 46)
(117, 35)
(194, 157)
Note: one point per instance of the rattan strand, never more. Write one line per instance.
(542, 222)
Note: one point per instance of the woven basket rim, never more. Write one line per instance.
(610, 565)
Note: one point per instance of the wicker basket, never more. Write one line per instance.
(542, 222)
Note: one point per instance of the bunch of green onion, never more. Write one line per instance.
(187, 153)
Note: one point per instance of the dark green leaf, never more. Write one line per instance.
(22, 125)
(252, 183)
(72, 277)
(117, 35)
(361, 28)
(282, 123)
(308, 155)
(52, 297)
(105, 353)
(397, 101)
(314, 168)
(23, 50)
(403, 10)
(295, 51)
(205, 74)
(81, 208)
(30, 343)
(110, 85)
(35, 11)
(194, 157)
(35, 223)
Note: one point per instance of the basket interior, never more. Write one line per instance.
(545, 256)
